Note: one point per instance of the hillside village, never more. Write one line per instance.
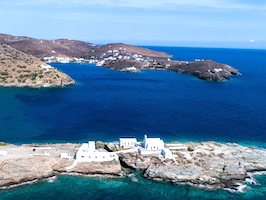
(117, 56)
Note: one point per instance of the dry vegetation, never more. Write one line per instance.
(20, 69)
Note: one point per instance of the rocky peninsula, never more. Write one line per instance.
(18, 69)
(208, 165)
(117, 56)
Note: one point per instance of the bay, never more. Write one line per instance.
(107, 104)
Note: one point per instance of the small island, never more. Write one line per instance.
(206, 165)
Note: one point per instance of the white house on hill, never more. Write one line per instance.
(127, 142)
(153, 143)
(88, 153)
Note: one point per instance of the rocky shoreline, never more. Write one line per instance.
(203, 69)
(207, 165)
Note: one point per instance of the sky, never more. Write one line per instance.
(202, 23)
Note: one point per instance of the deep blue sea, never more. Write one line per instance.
(107, 104)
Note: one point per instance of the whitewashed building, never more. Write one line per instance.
(65, 156)
(167, 153)
(88, 153)
(125, 142)
(153, 143)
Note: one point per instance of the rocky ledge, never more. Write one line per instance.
(208, 165)
(19, 164)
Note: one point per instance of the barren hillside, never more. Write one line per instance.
(23, 70)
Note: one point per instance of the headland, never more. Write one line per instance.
(18, 69)
(117, 56)
(207, 165)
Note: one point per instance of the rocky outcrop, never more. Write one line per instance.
(23, 170)
(98, 168)
(207, 165)
(26, 163)
(206, 69)
(18, 69)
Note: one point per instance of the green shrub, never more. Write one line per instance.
(21, 76)
(190, 149)
(4, 73)
(100, 145)
(21, 66)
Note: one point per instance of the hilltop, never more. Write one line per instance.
(22, 70)
(70, 48)
(46, 48)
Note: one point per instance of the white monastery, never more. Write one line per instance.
(153, 143)
(127, 142)
(88, 153)
(167, 153)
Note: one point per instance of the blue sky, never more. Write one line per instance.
(206, 23)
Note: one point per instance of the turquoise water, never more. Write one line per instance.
(107, 104)
(67, 187)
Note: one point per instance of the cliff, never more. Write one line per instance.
(19, 164)
(22, 70)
